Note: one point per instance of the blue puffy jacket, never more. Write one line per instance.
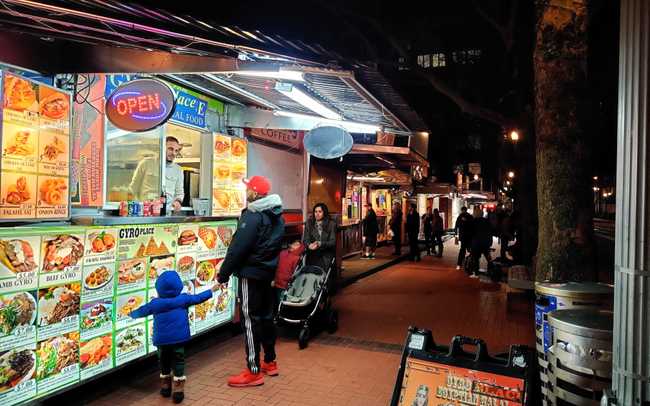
(169, 309)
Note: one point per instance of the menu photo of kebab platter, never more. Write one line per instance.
(61, 258)
(17, 374)
(58, 310)
(96, 355)
(57, 362)
(19, 262)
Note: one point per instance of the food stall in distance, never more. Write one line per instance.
(351, 217)
(68, 285)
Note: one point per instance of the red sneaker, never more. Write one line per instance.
(270, 368)
(246, 378)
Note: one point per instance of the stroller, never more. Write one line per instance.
(307, 299)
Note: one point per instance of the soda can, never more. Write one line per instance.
(146, 208)
(130, 206)
(138, 209)
(124, 208)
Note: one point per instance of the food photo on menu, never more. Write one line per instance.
(57, 303)
(188, 239)
(100, 276)
(61, 251)
(18, 256)
(16, 310)
(101, 242)
(17, 366)
(185, 266)
(53, 105)
(208, 238)
(96, 317)
(158, 265)
(19, 94)
(19, 191)
(125, 304)
(96, 352)
(130, 343)
(52, 191)
(57, 353)
(131, 273)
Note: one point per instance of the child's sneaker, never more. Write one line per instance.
(270, 368)
(165, 385)
(246, 378)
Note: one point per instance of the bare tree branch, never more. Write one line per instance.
(505, 31)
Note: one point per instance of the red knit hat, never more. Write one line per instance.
(258, 184)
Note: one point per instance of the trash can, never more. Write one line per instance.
(580, 357)
(560, 296)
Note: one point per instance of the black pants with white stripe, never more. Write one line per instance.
(257, 314)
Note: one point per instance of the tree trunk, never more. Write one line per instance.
(565, 250)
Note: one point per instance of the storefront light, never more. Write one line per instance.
(350, 126)
(290, 75)
(307, 101)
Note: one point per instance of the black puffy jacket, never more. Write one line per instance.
(256, 246)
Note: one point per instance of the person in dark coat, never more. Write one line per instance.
(427, 224)
(413, 231)
(320, 237)
(463, 229)
(506, 234)
(438, 231)
(171, 329)
(395, 225)
(481, 240)
(370, 231)
(253, 257)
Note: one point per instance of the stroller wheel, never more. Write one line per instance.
(303, 338)
(333, 321)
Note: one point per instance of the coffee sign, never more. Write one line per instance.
(140, 105)
(289, 138)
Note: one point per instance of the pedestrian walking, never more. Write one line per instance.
(463, 229)
(253, 257)
(427, 224)
(438, 231)
(395, 226)
(481, 241)
(370, 231)
(413, 232)
(506, 234)
(171, 329)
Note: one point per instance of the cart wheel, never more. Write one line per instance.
(303, 338)
(333, 322)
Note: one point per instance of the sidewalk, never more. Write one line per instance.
(355, 268)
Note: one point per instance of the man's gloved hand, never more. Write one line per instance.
(222, 279)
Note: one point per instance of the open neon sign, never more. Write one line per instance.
(140, 105)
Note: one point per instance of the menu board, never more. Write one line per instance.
(229, 168)
(66, 294)
(428, 382)
(35, 158)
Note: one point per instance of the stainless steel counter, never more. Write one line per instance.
(117, 220)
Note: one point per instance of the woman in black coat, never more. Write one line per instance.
(370, 231)
(320, 237)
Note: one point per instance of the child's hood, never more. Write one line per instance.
(169, 285)
(298, 251)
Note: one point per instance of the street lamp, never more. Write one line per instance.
(475, 177)
(514, 136)
(511, 174)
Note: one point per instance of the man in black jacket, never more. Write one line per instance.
(253, 257)
(463, 234)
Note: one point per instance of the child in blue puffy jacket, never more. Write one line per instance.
(171, 329)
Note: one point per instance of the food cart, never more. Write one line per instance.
(70, 278)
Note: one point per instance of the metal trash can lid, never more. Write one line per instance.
(575, 289)
(590, 323)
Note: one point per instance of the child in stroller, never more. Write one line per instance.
(287, 263)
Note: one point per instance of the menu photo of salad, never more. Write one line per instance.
(101, 246)
(18, 195)
(96, 318)
(19, 263)
(17, 374)
(58, 310)
(131, 275)
(17, 319)
(57, 362)
(61, 259)
(130, 343)
(96, 355)
(125, 304)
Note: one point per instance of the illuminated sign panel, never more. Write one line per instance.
(140, 105)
